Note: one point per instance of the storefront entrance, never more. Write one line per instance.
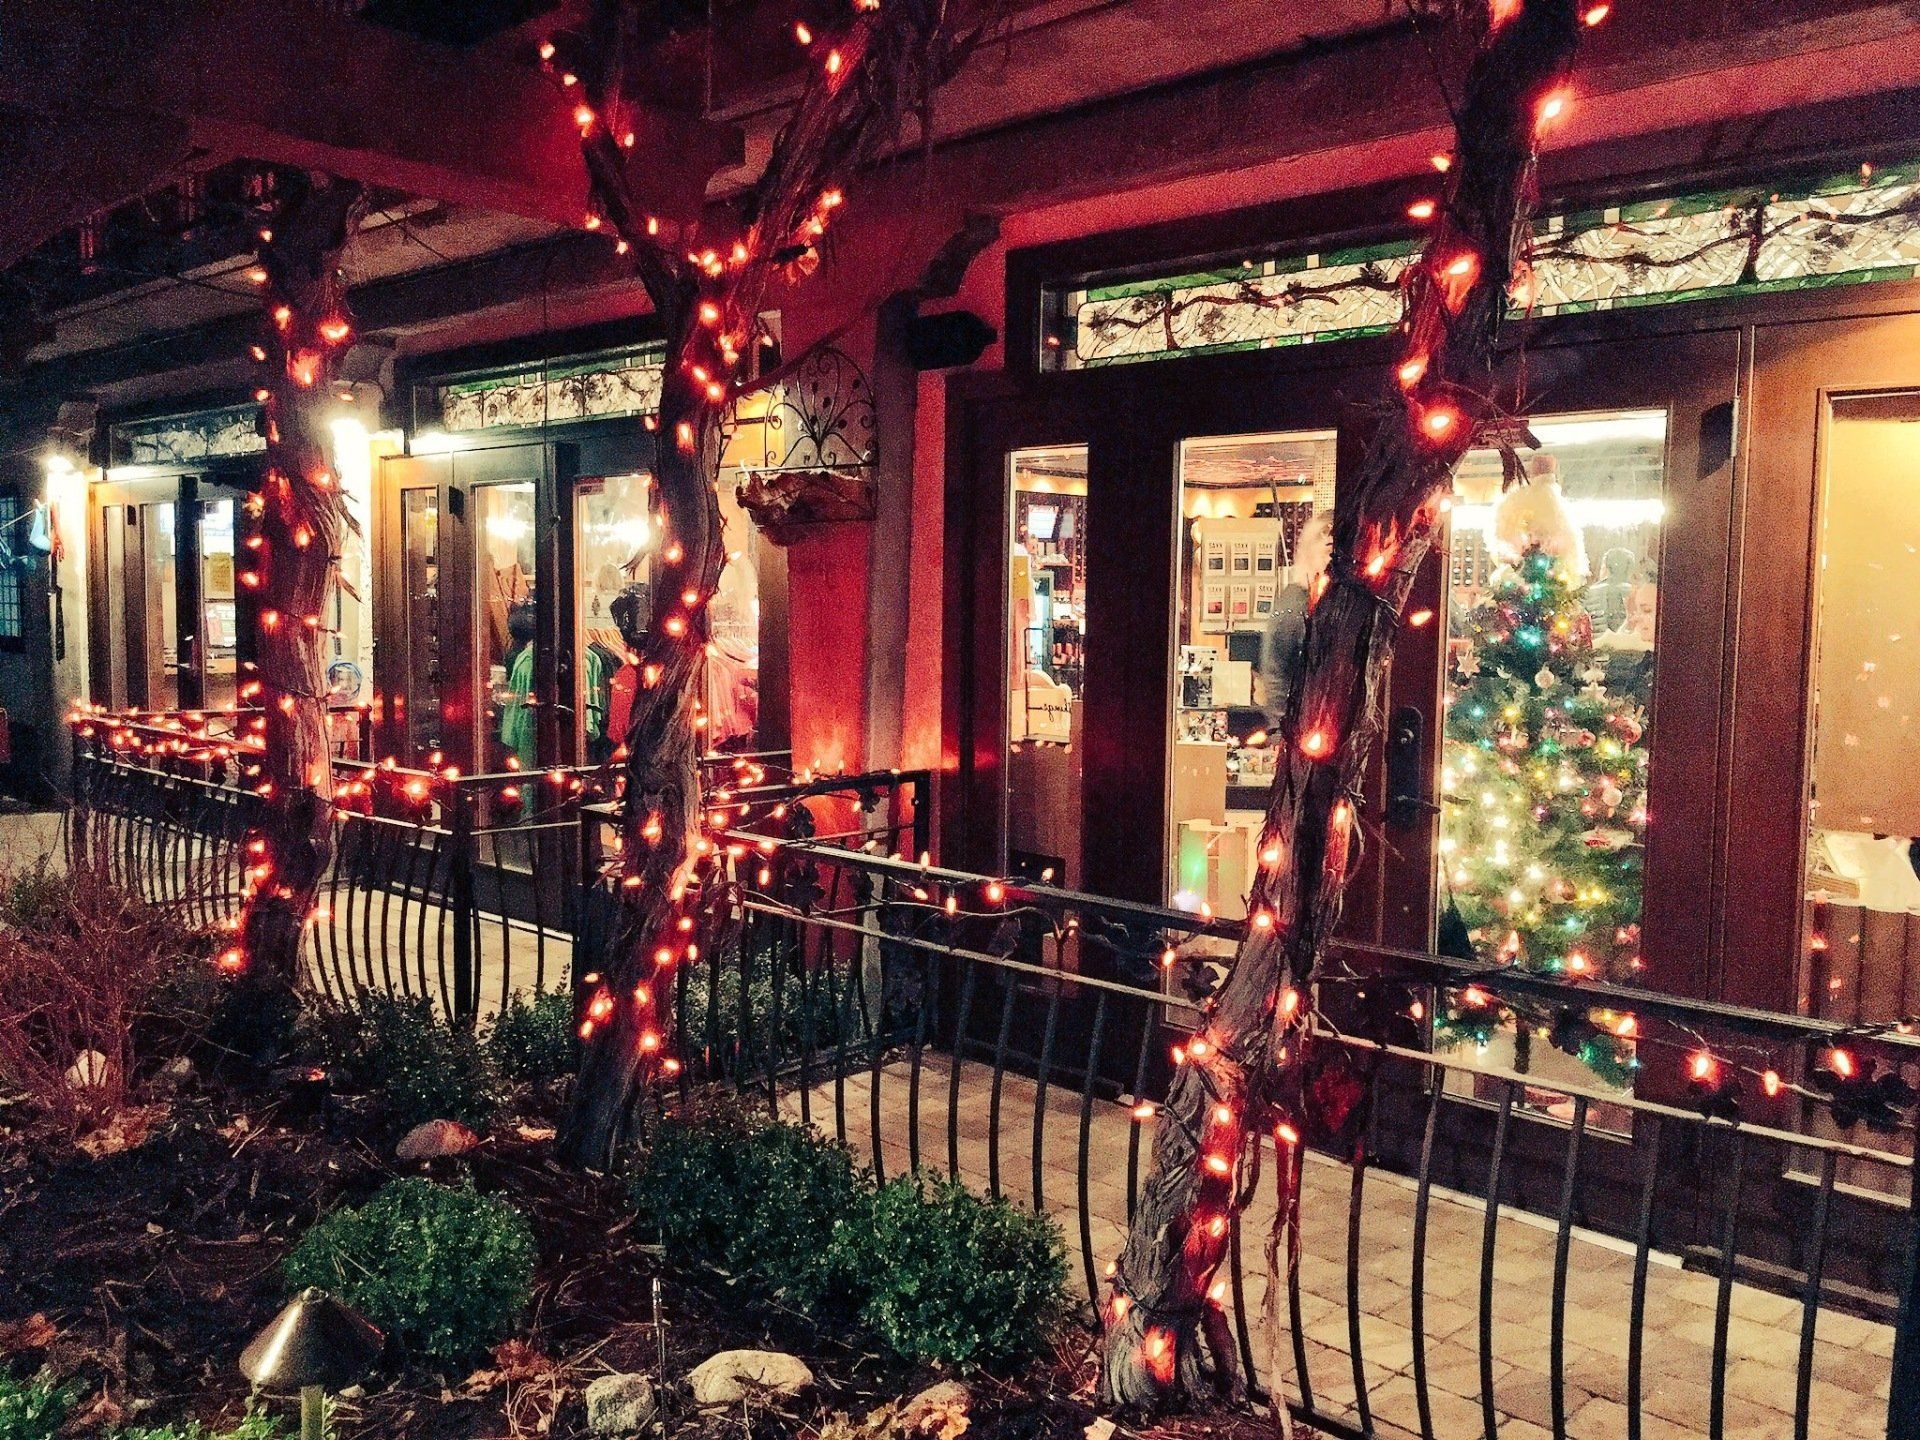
(510, 589)
(169, 630)
(1694, 787)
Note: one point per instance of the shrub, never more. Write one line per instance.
(537, 1039)
(787, 1016)
(757, 1202)
(85, 971)
(255, 1425)
(417, 1065)
(33, 1409)
(954, 1278)
(443, 1270)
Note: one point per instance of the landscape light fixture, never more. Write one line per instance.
(314, 1345)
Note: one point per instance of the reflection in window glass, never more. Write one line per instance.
(1046, 649)
(1550, 655)
(217, 626)
(504, 593)
(1863, 803)
(1256, 526)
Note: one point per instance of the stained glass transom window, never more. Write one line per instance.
(1859, 227)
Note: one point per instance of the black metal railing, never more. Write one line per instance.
(1478, 1251)
(465, 889)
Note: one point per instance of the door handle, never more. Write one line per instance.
(1407, 801)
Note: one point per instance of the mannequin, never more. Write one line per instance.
(1280, 648)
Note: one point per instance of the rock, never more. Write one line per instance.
(435, 1140)
(620, 1404)
(89, 1070)
(939, 1411)
(733, 1375)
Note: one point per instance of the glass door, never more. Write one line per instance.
(217, 651)
(1046, 562)
(1256, 526)
(505, 596)
(154, 648)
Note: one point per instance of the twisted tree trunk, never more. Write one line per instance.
(297, 524)
(1239, 1076)
(708, 297)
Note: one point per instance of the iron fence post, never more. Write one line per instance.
(460, 903)
(922, 815)
(77, 813)
(1903, 1399)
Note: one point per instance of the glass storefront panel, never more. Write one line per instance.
(1862, 883)
(1046, 648)
(420, 587)
(504, 580)
(1553, 583)
(1255, 527)
(219, 637)
(614, 536)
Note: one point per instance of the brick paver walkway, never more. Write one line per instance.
(1851, 1358)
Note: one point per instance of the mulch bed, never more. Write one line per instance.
(141, 1273)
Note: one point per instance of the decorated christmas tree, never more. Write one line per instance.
(1544, 782)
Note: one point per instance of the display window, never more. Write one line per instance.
(1255, 527)
(1046, 662)
(1552, 589)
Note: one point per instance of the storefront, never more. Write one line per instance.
(167, 630)
(1696, 779)
(512, 579)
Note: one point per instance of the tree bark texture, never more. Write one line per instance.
(1241, 1076)
(708, 295)
(295, 527)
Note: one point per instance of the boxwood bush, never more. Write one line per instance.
(414, 1063)
(757, 1202)
(952, 1277)
(933, 1271)
(445, 1271)
(535, 1039)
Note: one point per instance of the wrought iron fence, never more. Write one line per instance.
(1468, 1259)
(1479, 1251)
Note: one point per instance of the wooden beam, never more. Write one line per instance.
(277, 81)
(55, 173)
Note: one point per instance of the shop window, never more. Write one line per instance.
(503, 590)
(1549, 682)
(1255, 526)
(1854, 227)
(1046, 650)
(13, 531)
(1862, 913)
